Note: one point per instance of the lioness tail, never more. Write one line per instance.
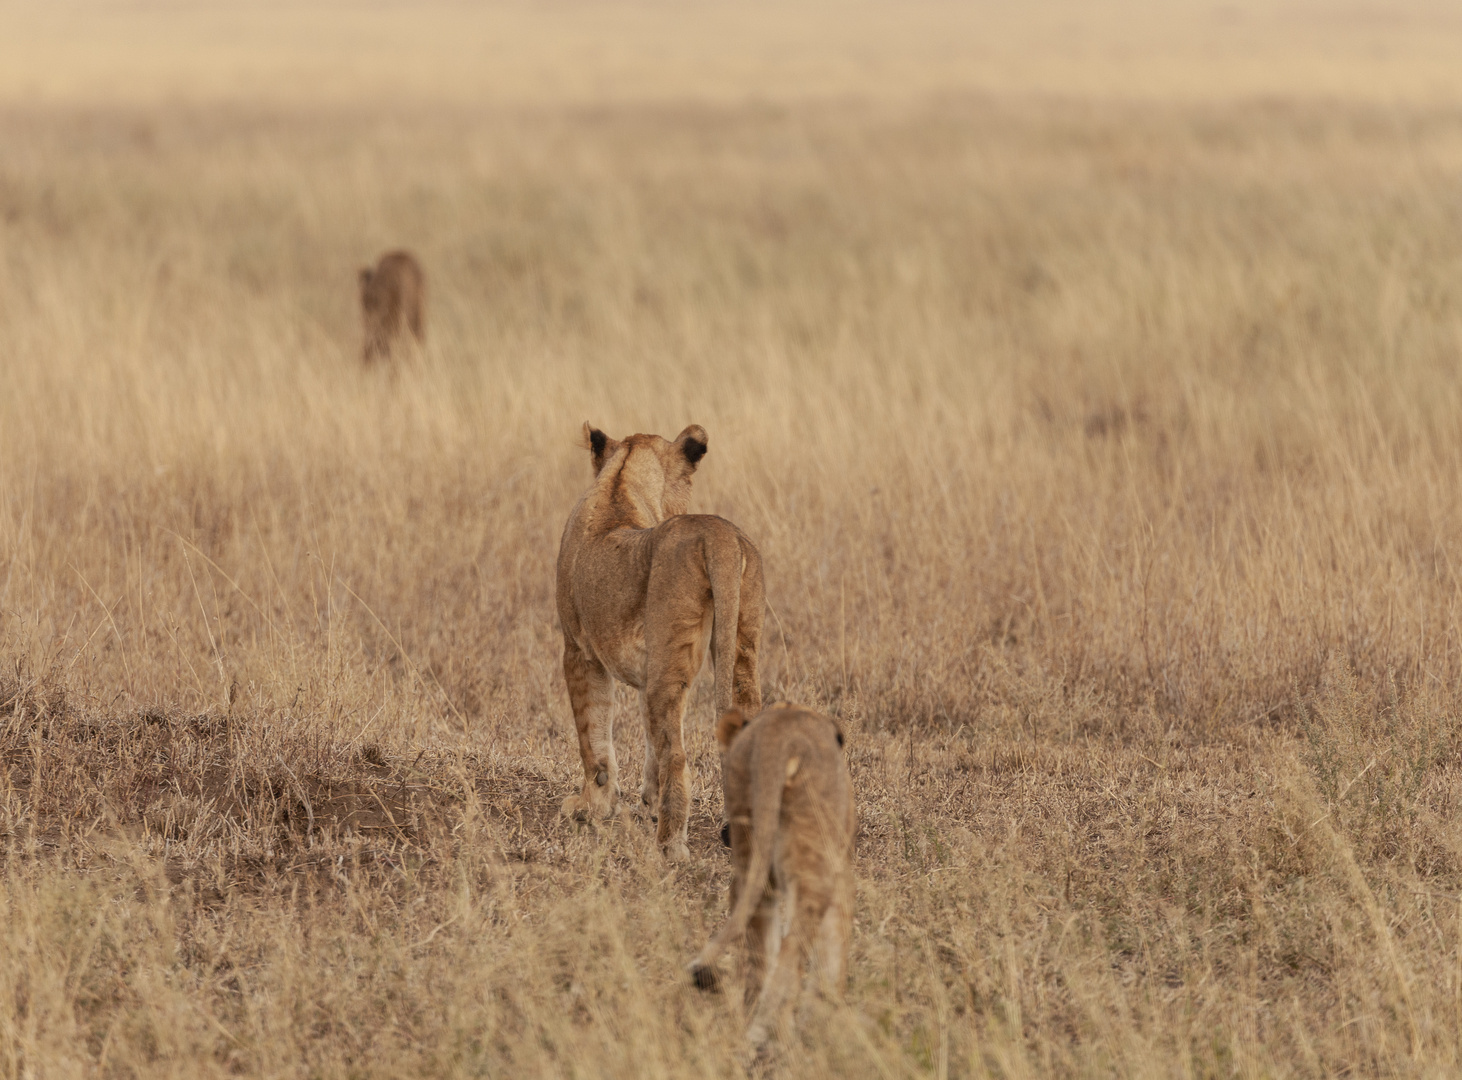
(724, 566)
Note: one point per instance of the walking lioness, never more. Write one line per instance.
(789, 803)
(642, 587)
(392, 301)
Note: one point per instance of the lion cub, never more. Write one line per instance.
(392, 299)
(789, 801)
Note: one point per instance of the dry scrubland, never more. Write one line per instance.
(1103, 458)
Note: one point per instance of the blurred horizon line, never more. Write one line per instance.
(631, 52)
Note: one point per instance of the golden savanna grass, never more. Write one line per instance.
(1102, 448)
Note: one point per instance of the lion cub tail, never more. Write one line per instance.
(771, 775)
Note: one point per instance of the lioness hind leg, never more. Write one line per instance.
(414, 321)
(591, 694)
(672, 805)
(746, 686)
(676, 649)
(650, 786)
(746, 683)
(375, 347)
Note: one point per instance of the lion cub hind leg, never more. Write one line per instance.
(785, 967)
(590, 695)
(792, 821)
(763, 936)
(831, 953)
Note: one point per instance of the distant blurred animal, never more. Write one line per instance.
(643, 588)
(789, 806)
(392, 295)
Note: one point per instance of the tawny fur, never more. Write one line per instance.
(392, 301)
(789, 800)
(643, 588)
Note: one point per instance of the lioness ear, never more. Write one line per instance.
(732, 721)
(600, 445)
(692, 443)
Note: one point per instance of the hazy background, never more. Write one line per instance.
(583, 53)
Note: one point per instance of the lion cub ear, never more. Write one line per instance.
(366, 273)
(692, 443)
(732, 721)
(601, 446)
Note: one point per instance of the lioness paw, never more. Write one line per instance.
(588, 808)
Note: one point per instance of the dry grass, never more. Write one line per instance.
(1103, 458)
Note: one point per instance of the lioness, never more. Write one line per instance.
(392, 293)
(642, 587)
(789, 801)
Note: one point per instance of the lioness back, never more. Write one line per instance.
(645, 592)
(392, 302)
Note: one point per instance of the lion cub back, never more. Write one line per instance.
(791, 824)
(801, 750)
